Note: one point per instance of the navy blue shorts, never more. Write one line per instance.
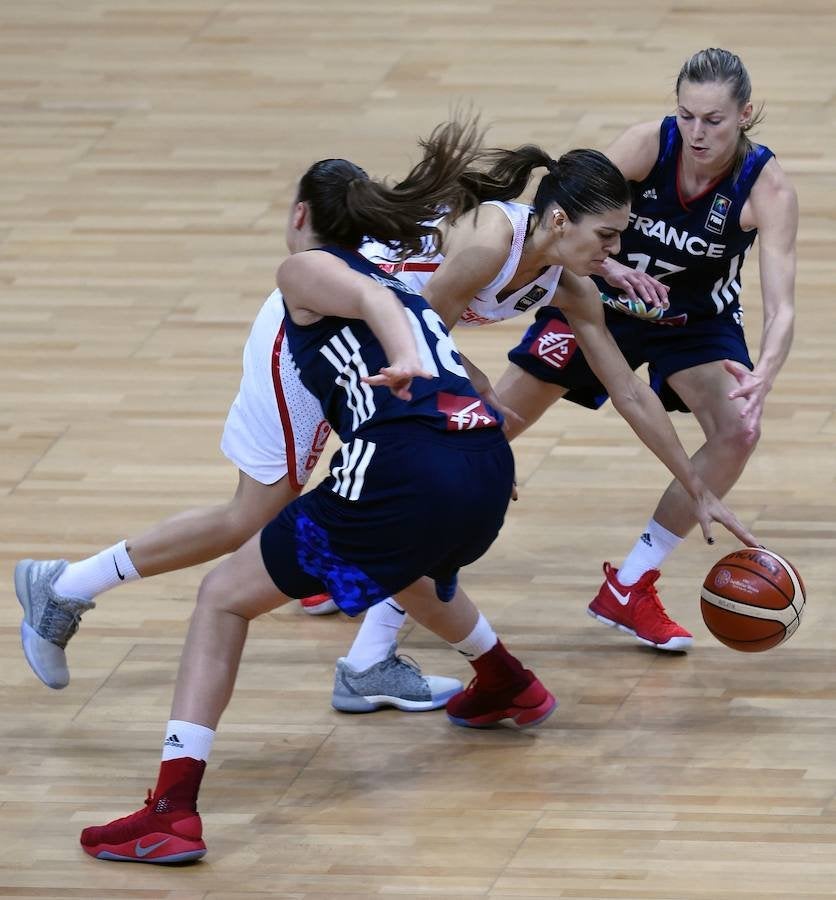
(431, 502)
(548, 351)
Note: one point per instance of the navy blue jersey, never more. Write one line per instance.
(334, 354)
(418, 487)
(696, 248)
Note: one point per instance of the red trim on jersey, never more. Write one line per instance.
(701, 194)
(284, 413)
(393, 268)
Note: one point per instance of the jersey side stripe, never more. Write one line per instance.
(722, 285)
(350, 368)
(358, 371)
(350, 452)
(360, 470)
(350, 476)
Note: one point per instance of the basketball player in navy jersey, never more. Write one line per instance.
(387, 520)
(274, 434)
(702, 192)
(498, 260)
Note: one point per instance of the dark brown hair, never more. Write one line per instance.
(347, 206)
(580, 182)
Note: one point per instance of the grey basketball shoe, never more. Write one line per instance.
(395, 681)
(49, 620)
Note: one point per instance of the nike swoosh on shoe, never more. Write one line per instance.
(144, 851)
(623, 599)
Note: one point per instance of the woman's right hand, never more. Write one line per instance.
(635, 284)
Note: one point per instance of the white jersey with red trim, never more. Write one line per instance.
(486, 307)
(275, 426)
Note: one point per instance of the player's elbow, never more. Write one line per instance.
(629, 395)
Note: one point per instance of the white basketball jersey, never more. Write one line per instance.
(275, 426)
(486, 307)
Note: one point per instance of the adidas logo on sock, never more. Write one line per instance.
(173, 741)
(646, 539)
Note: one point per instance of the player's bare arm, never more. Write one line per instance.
(772, 208)
(635, 150)
(475, 249)
(316, 284)
(637, 403)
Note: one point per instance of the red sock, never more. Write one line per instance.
(178, 784)
(498, 669)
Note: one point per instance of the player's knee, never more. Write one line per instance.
(739, 438)
(217, 592)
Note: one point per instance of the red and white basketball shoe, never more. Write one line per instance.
(636, 609)
(526, 702)
(319, 605)
(150, 835)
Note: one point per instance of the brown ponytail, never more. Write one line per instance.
(581, 181)
(347, 206)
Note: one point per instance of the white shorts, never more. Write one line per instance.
(275, 425)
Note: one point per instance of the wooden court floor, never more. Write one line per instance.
(148, 152)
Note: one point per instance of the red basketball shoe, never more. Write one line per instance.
(150, 835)
(528, 703)
(319, 605)
(637, 610)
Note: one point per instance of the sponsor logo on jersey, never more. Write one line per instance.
(468, 317)
(670, 236)
(535, 295)
(555, 345)
(320, 439)
(718, 213)
(650, 194)
(464, 413)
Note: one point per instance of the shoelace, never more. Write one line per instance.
(58, 624)
(121, 829)
(654, 600)
(402, 657)
(474, 687)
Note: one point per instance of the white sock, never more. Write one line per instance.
(379, 629)
(187, 739)
(649, 552)
(96, 574)
(479, 641)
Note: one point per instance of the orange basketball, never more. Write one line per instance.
(752, 600)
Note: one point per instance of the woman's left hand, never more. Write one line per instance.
(753, 389)
(398, 378)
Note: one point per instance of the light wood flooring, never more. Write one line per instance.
(148, 152)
